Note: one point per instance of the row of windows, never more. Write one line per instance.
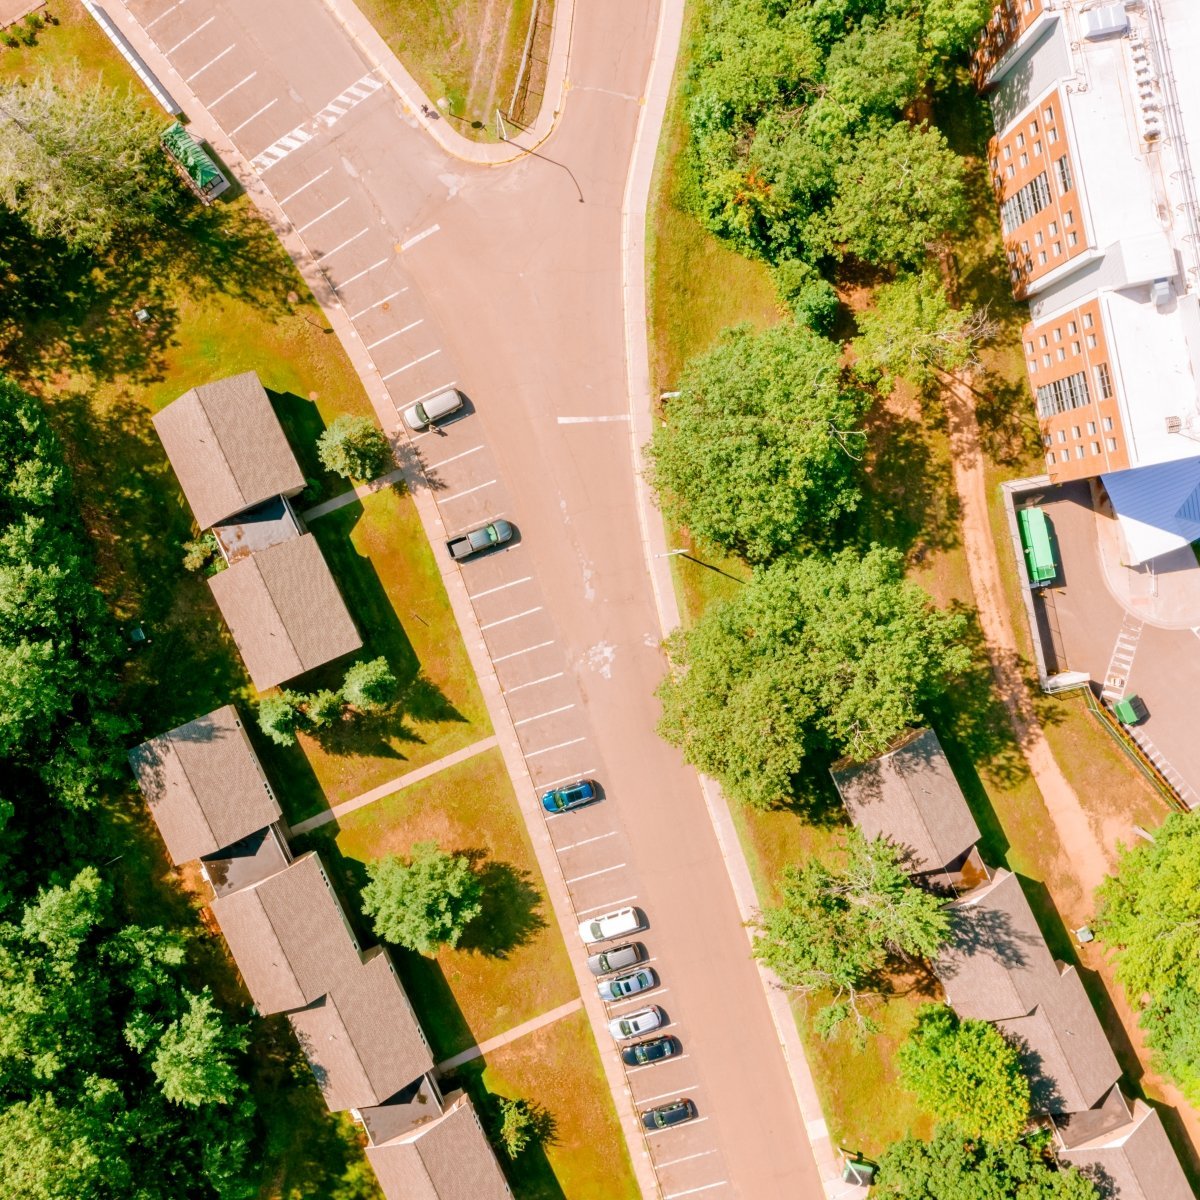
(1077, 433)
(1072, 328)
(1062, 395)
(1064, 456)
(1060, 355)
(1025, 203)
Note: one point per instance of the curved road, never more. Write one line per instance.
(502, 281)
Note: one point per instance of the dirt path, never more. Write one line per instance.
(1089, 861)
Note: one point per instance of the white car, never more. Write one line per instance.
(626, 985)
(612, 924)
(421, 415)
(645, 1020)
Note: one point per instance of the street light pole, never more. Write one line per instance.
(671, 553)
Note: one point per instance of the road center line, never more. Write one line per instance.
(611, 906)
(411, 325)
(560, 746)
(453, 458)
(202, 25)
(515, 617)
(304, 187)
(330, 253)
(201, 70)
(586, 842)
(233, 89)
(527, 650)
(326, 213)
(500, 588)
(420, 237)
(593, 874)
(532, 682)
(414, 362)
(542, 716)
(337, 287)
(592, 420)
(459, 495)
(390, 296)
(253, 116)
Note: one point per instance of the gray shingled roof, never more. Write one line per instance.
(910, 797)
(285, 611)
(227, 447)
(1135, 1162)
(362, 1038)
(448, 1160)
(288, 936)
(204, 785)
(999, 968)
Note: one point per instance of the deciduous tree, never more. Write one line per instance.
(195, 1059)
(370, 686)
(355, 447)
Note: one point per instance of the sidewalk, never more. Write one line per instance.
(511, 1035)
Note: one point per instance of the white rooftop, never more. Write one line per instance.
(1158, 507)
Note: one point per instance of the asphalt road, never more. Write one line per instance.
(503, 282)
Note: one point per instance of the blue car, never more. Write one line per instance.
(572, 796)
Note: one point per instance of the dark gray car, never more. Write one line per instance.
(619, 958)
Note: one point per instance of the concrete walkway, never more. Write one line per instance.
(363, 489)
(503, 1039)
(395, 785)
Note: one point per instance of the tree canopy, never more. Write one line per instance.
(355, 447)
(753, 456)
(966, 1072)
(836, 928)
(954, 1166)
(838, 654)
(424, 903)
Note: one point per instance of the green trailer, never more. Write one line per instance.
(1035, 541)
(193, 163)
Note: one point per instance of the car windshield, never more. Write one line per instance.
(596, 931)
(422, 415)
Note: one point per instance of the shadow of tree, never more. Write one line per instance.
(512, 909)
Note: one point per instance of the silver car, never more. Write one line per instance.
(645, 1020)
(621, 986)
(619, 958)
(424, 413)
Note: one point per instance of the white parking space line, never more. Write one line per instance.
(331, 253)
(592, 420)
(452, 458)
(611, 906)
(542, 716)
(533, 682)
(527, 650)
(254, 117)
(415, 362)
(310, 224)
(586, 842)
(560, 746)
(593, 874)
(697, 1121)
(650, 1067)
(641, 996)
(679, 1091)
(184, 42)
(420, 237)
(459, 495)
(362, 312)
(500, 588)
(166, 13)
(515, 617)
(662, 1166)
(707, 1187)
(230, 91)
(411, 325)
(304, 187)
(577, 775)
(337, 287)
(200, 70)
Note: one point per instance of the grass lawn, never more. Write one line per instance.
(557, 1070)
(466, 54)
(511, 964)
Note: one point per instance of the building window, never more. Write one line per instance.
(1028, 347)
(1061, 354)
(1025, 203)
(1038, 239)
(1063, 167)
(1048, 113)
(1041, 258)
(1056, 249)
(1072, 328)
(1007, 153)
(1020, 141)
(1037, 149)
(1024, 160)
(1087, 321)
(1075, 432)
(1045, 360)
(1052, 136)
(1043, 341)
(1108, 424)
(1032, 364)
(1072, 239)
(1047, 440)
(1091, 341)
(1009, 171)
(1062, 395)
(1074, 348)
(1091, 428)
(1058, 335)
(1054, 229)
(1111, 443)
(1069, 217)
(1050, 459)
(1033, 126)
(1103, 381)
(1095, 448)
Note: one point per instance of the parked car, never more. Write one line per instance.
(483, 538)
(424, 413)
(621, 986)
(663, 1116)
(619, 958)
(645, 1020)
(610, 925)
(652, 1050)
(572, 796)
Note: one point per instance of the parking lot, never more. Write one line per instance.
(288, 129)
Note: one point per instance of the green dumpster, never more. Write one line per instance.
(1128, 711)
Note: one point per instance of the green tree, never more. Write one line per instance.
(278, 717)
(517, 1126)
(966, 1072)
(756, 453)
(325, 708)
(81, 161)
(370, 686)
(195, 1060)
(954, 1166)
(1148, 912)
(424, 903)
(810, 298)
(875, 69)
(355, 447)
(836, 928)
(839, 654)
(912, 333)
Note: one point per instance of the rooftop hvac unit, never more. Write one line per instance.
(1188, 426)
(1104, 21)
(1160, 293)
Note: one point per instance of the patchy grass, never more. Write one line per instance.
(557, 1070)
(75, 41)
(465, 54)
(511, 964)
(385, 567)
